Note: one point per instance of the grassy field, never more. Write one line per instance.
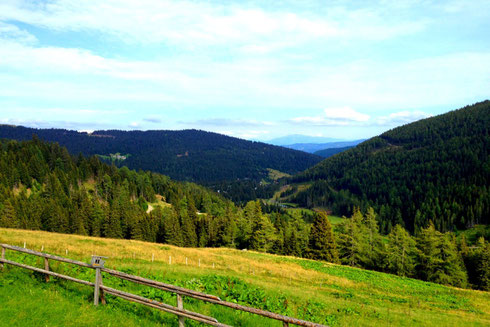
(334, 220)
(325, 293)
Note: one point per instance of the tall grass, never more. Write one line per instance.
(321, 292)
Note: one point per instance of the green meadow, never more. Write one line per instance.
(325, 293)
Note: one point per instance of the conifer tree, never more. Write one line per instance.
(172, 230)
(262, 230)
(401, 252)
(8, 216)
(351, 241)
(439, 260)
(375, 249)
(96, 219)
(322, 242)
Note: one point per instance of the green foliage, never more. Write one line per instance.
(322, 242)
(401, 252)
(433, 169)
(439, 260)
(188, 155)
(108, 202)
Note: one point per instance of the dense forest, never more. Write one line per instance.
(325, 153)
(188, 155)
(43, 187)
(435, 169)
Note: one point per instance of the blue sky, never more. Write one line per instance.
(251, 69)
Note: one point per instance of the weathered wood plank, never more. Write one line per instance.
(164, 307)
(160, 285)
(51, 273)
(152, 283)
(45, 255)
(3, 256)
(46, 267)
(98, 278)
(180, 305)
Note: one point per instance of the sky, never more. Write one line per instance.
(249, 69)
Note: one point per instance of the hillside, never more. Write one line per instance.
(321, 292)
(187, 155)
(434, 169)
(43, 188)
(325, 153)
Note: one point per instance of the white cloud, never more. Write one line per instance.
(9, 32)
(192, 24)
(341, 116)
(402, 117)
(218, 122)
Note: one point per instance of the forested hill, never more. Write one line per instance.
(188, 155)
(434, 169)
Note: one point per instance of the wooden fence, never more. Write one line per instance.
(100, 290)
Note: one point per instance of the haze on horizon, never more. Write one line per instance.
(346, 69)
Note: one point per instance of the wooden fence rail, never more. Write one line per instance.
(100, 290)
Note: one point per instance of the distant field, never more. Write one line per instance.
(334, 220)
(321, 292)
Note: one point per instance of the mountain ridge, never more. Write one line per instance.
(436, 169)
(188, 155)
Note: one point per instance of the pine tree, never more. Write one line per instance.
(322, 242)
(401, 252)
(8, 216)
(451, 268)
(96, 220)
(112, 226)
(262, 231)
(428, 256)
(172, 230)
(439, 260)
(351, 241)
(375, 250)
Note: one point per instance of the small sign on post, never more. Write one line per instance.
(97, 262)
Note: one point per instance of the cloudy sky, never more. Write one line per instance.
(251, 69)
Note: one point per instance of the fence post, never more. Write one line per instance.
(98, 279)
(97, 262)
(180, 305)
(3, 256)
(46, 267)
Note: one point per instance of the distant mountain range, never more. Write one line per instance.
(187, 155)
(436, 169)
(314, 147)
(297, 138)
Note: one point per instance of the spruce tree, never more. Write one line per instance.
(8, 216)
(351, 241)
(171, 226)
(375, 252)
(401, 252)
(322, 244)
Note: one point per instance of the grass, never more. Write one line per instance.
(330, 294)
(334, 220)
(474, 233)
(276, 174)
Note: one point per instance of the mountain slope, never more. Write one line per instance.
(434, 169)
(325, 153)
(188, 155)
(317, 291)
